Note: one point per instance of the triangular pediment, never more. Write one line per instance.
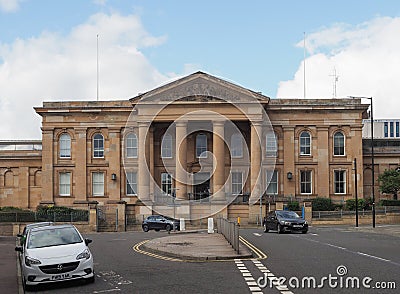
(200, 87)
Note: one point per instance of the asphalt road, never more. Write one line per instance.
(338, 254)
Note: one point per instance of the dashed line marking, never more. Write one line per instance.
(257, 234)
(372, 256)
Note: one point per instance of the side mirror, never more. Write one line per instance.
(88, 241)
(19, 249)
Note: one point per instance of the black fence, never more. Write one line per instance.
(362, 212)
(73, 216)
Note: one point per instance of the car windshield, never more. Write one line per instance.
(287, 214)
(53, 237)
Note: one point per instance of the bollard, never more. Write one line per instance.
(182, 224)
(238, 220)
(210, 225)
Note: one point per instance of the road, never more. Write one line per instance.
(330, 255)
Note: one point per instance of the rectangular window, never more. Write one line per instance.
(131, 184)
(340, 182)
(386, 130)
(98, 184)
(271, 145)
(397, 129)
(237, 183)
(65, 184)
(305, 182)
(166, 183)
(201, 146)
(272, 182)
(166, 146)
(391, 129)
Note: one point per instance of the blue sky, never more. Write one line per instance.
(48, 50)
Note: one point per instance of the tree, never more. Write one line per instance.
(390, 182)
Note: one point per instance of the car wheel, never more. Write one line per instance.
(304, 232)
(25, 286)
(168, 227)
(145, 228)
(279, 229)
(265, 228)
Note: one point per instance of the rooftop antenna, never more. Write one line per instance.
(97, 65)
(304, 65)
(335, 80)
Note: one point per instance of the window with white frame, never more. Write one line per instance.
(237, 183)
(338, 143)
(166, 183)
(201, 146)
(305, 182)
(98, 183)
(272, 185)
(166, 146)
(305, 143)
(65, 184)
(131, 145)
(65, 146)
(271, 143)
(98, 146)
(237, 145)
(340, 181)
(131, 183)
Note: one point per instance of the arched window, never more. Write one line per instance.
(338, 143)
(65, 146)
(305, 143)
(131, 145)
(237, 145)
(201, 146)
(98, 146)
(9, 179)
(166, 146)
(271, 148)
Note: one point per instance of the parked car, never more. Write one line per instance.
(55, 253)
(284, 221)
(159, 222)
(22, 237)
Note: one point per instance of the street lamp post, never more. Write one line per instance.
(372, 158)
(356, 189)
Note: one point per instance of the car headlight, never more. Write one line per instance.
(31, 261)
(305, 222)
(84, 255)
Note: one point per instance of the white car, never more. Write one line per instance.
(55, 253)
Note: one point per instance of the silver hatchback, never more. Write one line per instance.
(55, 253)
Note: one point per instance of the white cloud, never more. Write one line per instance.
(367, 61)
(57, 67)
(9, 5)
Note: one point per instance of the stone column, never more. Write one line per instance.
(114, 159)
(289, 155)
(143, 164)
(219, 160)
(255, 164)
(181, 160)
(47, 166)
(323, 178)
(79, 176)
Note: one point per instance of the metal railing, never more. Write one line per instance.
(362, 212)
(230, 230)
(73, 216)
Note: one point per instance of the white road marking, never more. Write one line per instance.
(257, 234)
(313, 234)
(372, 256)
(109, 290)
(335, 246)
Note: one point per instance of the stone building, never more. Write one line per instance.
(195, 147)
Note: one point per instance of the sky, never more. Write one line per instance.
(48, 50)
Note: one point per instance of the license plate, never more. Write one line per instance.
(60, 277)
(297, 226)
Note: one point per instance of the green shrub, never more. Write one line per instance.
(322, 204)
(11, 209)
(389, 202)
(293, 205)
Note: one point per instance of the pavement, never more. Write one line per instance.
(8, 265)
(195, 245)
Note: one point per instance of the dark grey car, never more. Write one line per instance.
(285, 221)
(159, 222)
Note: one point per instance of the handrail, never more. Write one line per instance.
(230, 230)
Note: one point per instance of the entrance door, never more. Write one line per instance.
(201, 185)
